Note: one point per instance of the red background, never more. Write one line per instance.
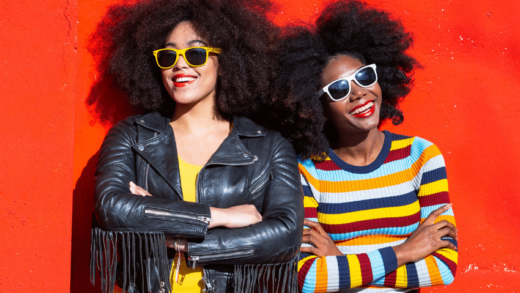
(464, 100)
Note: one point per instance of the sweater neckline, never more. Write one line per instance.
(383, 154)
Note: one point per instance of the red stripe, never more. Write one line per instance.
(452, 265)
(390, 279)
(373, 224)
(327, 166)
(366, 268)
(311, 213)
(398, 154)
(434, 199)
(302, 273)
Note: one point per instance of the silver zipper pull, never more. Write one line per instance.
(208, 285)
(194, 259)
(205, 219)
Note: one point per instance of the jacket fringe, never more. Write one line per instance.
(136, 251)
(279, 278)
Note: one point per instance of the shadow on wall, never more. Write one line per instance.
(107, 105)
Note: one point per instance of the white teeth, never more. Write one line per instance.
(362, 109)
(184, 79)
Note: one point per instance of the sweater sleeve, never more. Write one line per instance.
(438, 268)
(331, 273)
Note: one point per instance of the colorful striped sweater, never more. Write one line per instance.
(368, 209)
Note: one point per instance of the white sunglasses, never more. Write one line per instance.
(340, 89)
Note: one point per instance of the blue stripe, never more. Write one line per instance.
(378, 267)
(453, 241)
(394, 231)
(426, 211)
(434, 175)
(369, 204)
(310, 279)
(344, 272)
(447, 277)
(389, 259)
(304, 255)
(413, 277)
(307, 191)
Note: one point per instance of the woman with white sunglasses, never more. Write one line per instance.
(377, 209)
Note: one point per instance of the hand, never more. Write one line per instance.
(138, 190)
(324, 246)
(235, 217)
(182, 244)
(427, 238)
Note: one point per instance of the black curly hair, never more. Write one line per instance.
(344, 28)
(129, 33)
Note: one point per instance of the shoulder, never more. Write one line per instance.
(420, 150)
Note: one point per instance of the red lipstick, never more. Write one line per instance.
(367, 112)
(185, 80)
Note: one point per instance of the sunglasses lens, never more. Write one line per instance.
(339, 90)
(196, 56)
(366, 77)
(166, 58)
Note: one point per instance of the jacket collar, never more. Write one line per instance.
(159, 148)
(242, 126)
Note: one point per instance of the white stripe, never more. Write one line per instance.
(422, 272)
(353, 196)
(357, 249)
(332, 273)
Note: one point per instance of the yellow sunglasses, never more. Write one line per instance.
(195, 56)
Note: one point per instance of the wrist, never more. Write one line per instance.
(401, 254)
(218, 217)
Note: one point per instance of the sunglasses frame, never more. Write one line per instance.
(181, 52)
(349, 78)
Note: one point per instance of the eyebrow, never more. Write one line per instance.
(189, 43)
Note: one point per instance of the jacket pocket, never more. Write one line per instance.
(258, 185)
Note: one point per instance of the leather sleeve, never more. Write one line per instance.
(277, 238)
(116, 209)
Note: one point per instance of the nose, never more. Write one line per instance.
(181, 63)
(357, 92)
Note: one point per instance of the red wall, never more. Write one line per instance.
(464, 100)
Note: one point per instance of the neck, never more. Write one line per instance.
(360, 148)
(199, 117)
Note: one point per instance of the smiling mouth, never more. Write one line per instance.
(183, 80)
(363, 111)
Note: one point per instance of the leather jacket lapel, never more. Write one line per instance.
(160, 151)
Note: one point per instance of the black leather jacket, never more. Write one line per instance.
(252, 166)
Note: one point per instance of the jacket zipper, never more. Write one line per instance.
(180, 216)
(216, 256)
(146, 172)
(259, 185)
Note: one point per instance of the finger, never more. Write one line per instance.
(447, 232)
(431, 218)
(314, 238)
(306, 232)
(315, 225)
(449, 245)
(444, 224)
(310, 250)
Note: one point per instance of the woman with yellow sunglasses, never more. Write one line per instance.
(194, 172)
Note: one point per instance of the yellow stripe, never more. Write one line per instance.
(381, 213)
(401, 279)
(448, 218)
(302, 261)
(321, 275)
(449, 254)
(310, 202)
(433, 187)
(399, 144)
(370, 240)
(355, 271)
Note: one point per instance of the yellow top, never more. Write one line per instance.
(190, 280)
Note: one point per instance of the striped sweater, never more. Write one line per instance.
(367, 210)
